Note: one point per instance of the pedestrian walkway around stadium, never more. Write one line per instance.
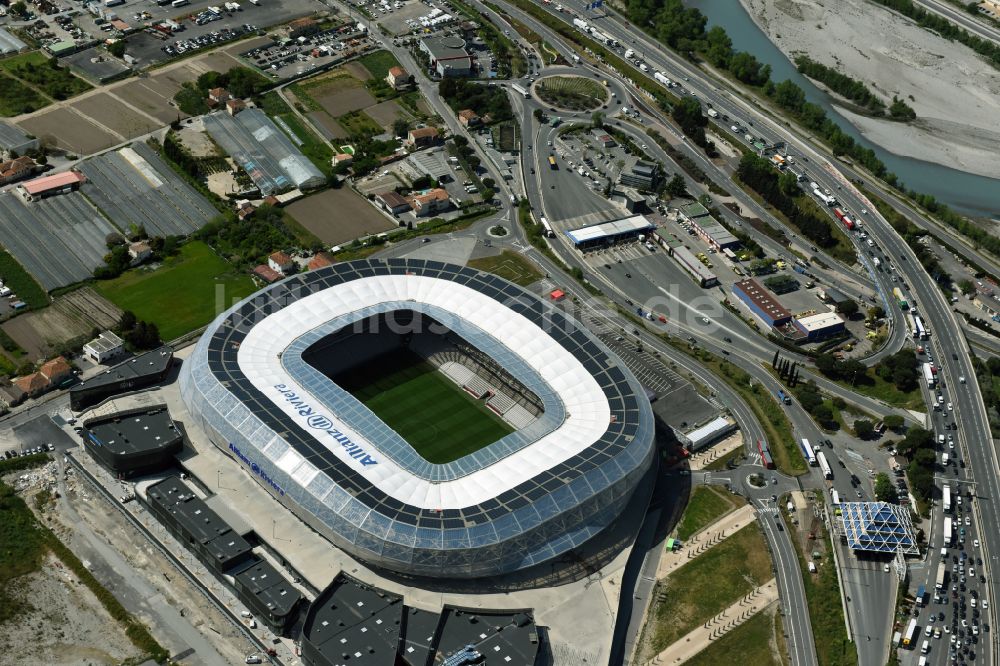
(720, 625)
(712, 535)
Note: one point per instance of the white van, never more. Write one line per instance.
(922, 662)
(926, 647)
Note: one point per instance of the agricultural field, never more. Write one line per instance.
(439, 420)
(575, 93)
(185, 293)
(337, 216)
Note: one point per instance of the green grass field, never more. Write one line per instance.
(510, 266)
(379, 63)
(182, 294)
(749, 643)
(437, 418)
(705, 507)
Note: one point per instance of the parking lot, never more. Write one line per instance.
(293, 57)
(148, 48)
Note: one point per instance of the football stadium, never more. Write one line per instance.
(429, 419)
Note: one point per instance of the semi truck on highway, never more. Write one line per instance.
(518, 88)
(807, 452)
(581, 24)
(784, 398)
(928, 375)
(548, 228)
(941, 574)
(903, 305)
(662, 78)
(824, 465)
(947, 531)
(827, 199)
(765, 454)
(921, 595)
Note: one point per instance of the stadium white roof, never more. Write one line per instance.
(586, 407)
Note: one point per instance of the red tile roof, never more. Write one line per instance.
(53, 182)
(57, 368)
(266, 273)
(32, 384)
(321, 260)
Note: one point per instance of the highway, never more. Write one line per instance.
(954, 353)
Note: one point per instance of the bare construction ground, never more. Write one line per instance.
(111, 113)
(327, 126)
(338, 216)
(70, 316)
(66, 623)
(357, 70)
(69, 130)
(954, 92)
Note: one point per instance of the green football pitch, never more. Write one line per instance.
(436, 417)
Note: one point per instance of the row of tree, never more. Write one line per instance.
(840, 83)
(781, 190)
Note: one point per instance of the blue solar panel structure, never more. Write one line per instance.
(878, 527)
(390, 514)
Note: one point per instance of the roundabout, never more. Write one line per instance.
(570, 92)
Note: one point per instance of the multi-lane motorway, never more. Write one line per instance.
(953, 354)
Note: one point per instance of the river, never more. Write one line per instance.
(965, 192)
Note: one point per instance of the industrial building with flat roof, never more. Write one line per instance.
(713, 233)
(197, 526)
(448, 55)
(264, 151)
(709, 433)
(133, 442)
(640, 174)
(761, 303)
(135, 373)
(351, 622)
(104, 347)
(819, 326)
(686, 259)
(268, 595)
(607, 233)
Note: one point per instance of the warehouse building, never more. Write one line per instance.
(693, 266)
(713, 233)
(133, 442)
(820, 326)
(709, 433)
(59, 183)
(268, 595)
(448, 55)
(265, 152)
(639, 174)
(761, 303)
(197, 526)
(351, 622)
(609, 233)
(135, 373)
(104, 347)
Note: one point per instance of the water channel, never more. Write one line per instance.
(966, 192)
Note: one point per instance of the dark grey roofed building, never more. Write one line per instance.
(639, 174)
(135, 373)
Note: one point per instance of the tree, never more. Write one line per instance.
(823, 414)
(876, 312)
(788, 184)
(966, 287)
(893, 422)
(539, 115)
(884, 490)
(597, 119)
(117, 49)
(400, 127)
(864, 429)
(127, 321)
(720, 47)
(676, 187)
(847, 308)
(19, 9)
(789, 96)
